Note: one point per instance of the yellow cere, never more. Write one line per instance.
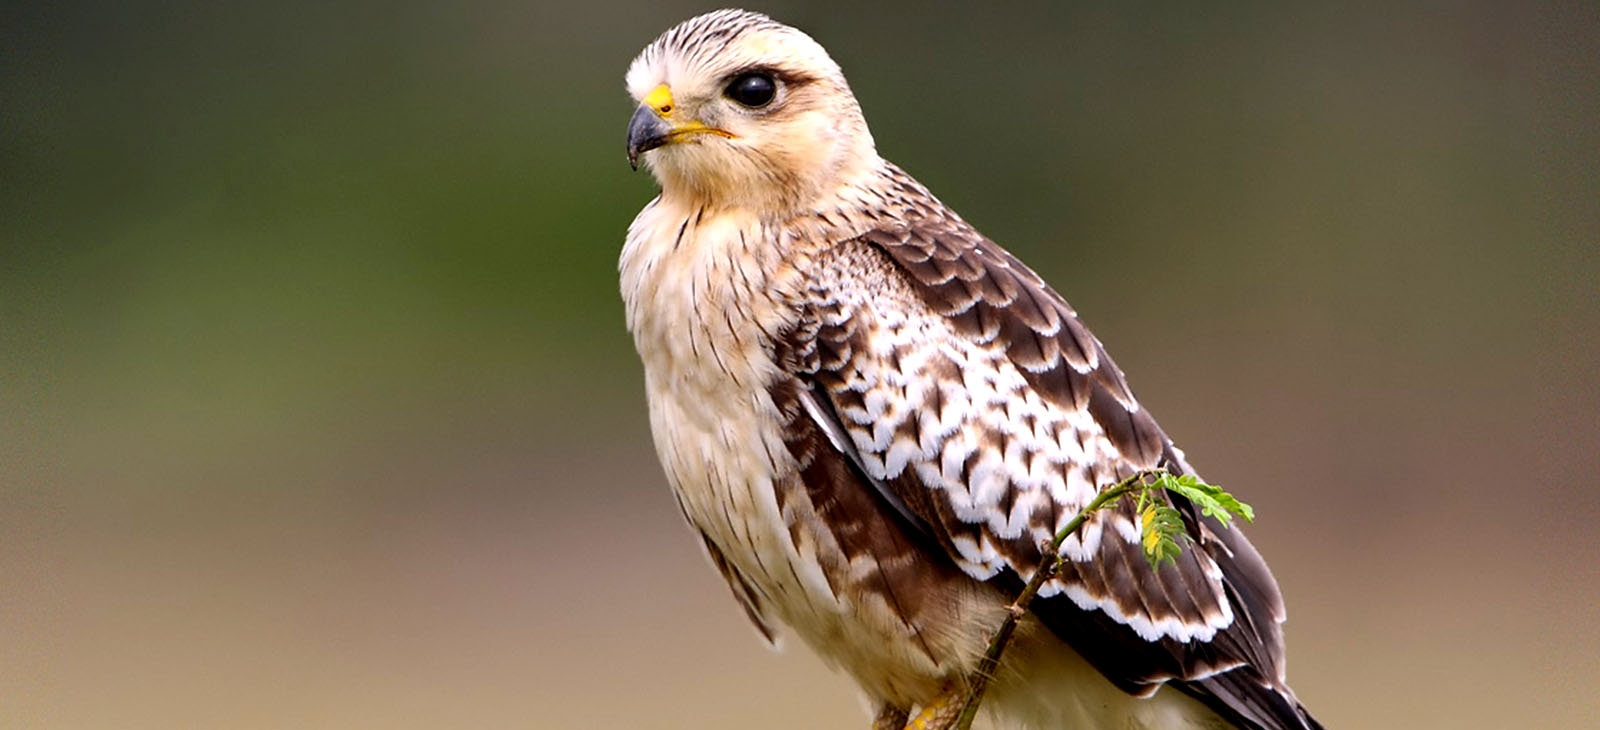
(659, 99)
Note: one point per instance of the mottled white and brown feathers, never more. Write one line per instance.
(981, 410)
(940, 412)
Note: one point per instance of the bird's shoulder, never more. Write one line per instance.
(909, 259)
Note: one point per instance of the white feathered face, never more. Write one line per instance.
(735, 109)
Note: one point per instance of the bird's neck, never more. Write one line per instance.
(707, 285)
(704, 287)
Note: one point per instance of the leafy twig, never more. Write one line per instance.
(1160, 528)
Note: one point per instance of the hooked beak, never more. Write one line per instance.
(646, 131)
(653, 125)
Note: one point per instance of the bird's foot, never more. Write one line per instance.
(890, 718)
(941, 714)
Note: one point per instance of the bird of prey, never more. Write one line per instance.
(873, 416)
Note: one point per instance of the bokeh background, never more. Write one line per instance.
(317, 408)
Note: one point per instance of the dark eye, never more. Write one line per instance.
(753, 90)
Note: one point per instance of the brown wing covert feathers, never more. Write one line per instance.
(974, 395)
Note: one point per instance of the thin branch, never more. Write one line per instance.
(978, 683)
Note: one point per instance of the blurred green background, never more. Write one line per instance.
(317, 409)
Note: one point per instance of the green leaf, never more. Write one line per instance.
(1160, 528)
(1213, 501)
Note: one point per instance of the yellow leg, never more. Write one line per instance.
(890, 718)
(941, 714)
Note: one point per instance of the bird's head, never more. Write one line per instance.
(738, 110)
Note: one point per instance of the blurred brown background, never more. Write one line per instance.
(317, 409)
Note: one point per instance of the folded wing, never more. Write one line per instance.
(964, 392)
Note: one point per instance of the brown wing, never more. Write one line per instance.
(965, 391)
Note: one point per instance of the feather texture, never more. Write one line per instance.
(874, 416)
